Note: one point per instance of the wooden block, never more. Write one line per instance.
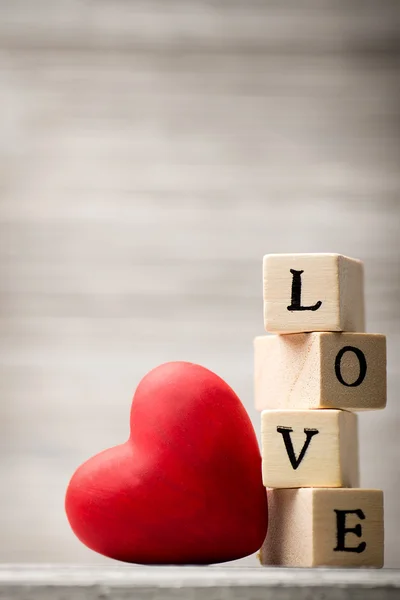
(309, 448)
(312, 527)
(320, 370)
(313, 292)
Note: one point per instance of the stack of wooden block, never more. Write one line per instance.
(308, 380)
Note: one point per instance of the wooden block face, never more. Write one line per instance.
(324, 527)
(289, 541)
(354, 519)
(353, 369)
(306, 448)
(287, 371)
(320, 370)
(313, 292)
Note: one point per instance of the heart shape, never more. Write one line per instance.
(186, 487)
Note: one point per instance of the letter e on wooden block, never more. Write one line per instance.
(313, 292)
(311, 527)
(320, 370)
(309, 448)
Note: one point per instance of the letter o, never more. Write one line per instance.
(361, 359)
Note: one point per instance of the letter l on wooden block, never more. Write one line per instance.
(296, 294)
(313, 292)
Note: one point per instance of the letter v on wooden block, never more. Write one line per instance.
(313, 292)
(318, 527)
(306, 448)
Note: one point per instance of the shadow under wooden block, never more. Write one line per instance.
(324, 527)
(305, 448)
(320, 370)
(313, 292)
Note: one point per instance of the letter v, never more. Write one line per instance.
(286, 431)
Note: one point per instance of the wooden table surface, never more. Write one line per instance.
(55, 582)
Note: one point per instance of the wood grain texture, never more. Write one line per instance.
(320, 370)
(150, 154)
(306, 530)
(351, 295)
(313, 292)
(155, 583)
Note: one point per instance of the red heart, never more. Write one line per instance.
(186, 487)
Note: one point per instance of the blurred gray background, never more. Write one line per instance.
(150, 153)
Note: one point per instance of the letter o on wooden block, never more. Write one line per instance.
(303, 448)
(320, 370)
(315, 527)
(313, 292)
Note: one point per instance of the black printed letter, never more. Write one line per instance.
(296, 294)
(361, 359)
(342, 530)
(286, 431)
